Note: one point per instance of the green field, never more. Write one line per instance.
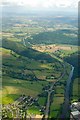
(12, 88)
(33, 110)
(29, 69)
(56, 106)
(42, 101)
(75, 90)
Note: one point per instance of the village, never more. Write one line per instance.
(19, 109)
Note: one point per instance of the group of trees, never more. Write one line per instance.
(55, 37)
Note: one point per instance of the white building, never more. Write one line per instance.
(75, 111)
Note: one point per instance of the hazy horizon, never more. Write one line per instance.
(23, 6)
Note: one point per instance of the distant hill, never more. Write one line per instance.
(56, 37)
(25, 51)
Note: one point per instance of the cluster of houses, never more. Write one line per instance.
(19, 108)
(27, 100)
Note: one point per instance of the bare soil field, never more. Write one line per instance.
(51, 48)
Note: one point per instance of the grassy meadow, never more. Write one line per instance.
(13, 88)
